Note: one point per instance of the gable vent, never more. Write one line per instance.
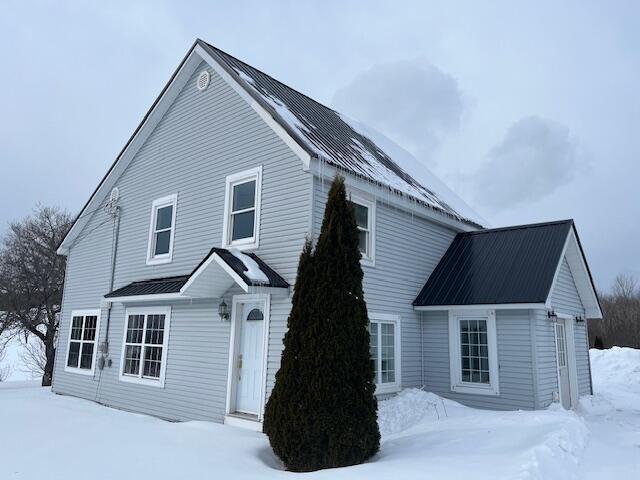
(203, 80)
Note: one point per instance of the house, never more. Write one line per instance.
(181, 264)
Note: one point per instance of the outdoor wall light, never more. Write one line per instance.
(223, 311)
(579, 319)
(552, 315)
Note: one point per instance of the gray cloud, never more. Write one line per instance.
(411, 101)
(536, 157)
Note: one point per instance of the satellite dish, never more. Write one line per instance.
(115, 194)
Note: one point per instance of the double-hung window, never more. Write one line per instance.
(365, 220)
(144, 352)
(83, 336)
(384, 335)
(473, 352)
(242, 209)
(162, 230)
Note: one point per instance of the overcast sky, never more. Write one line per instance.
(529, 111)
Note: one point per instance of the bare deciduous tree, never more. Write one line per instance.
(31, 278)
(621, 310)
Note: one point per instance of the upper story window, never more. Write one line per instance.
(242, 209)
(365, 220)
(384, 336)
(162, 229)
(83, 335)
(473, 352)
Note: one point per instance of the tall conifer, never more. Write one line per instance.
(322, 411)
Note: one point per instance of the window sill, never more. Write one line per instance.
(386, 389)
(367, 262)
(475, 389)
(79, 371)
(159, 261)
(142, 381)
(241, 246)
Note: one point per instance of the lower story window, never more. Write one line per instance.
(384, 334)
(145, 345)
(473, 352)
(83, 334)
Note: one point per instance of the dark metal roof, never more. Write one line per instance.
(498, 266)
(275, 280)
(325, 134)
(174, 284)
(154, 286)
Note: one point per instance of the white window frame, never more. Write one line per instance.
(123, 377)
(370, 204)
(382, 388)
(455, 363)
(83, 314)
(157, 204)
(253, 174)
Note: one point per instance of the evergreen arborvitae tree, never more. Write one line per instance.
(322, 412)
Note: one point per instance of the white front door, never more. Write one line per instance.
(564, 382)
(250, 358)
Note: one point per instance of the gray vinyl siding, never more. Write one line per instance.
(514, 359)
(546, 367)
(408, 248)
(565, 299)
(202, 138)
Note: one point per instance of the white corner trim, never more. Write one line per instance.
(159, 383)
(252, 174)
(457, 385)
(370, 203)
(259, 109)
(383, 388)
(155, 206)
(83, 313)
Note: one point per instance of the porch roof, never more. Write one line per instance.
(211, 278)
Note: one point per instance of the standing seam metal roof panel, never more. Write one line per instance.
(497, 266)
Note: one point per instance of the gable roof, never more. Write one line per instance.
(513, 265)
(233, 263)
(314, 131)
(341, 142)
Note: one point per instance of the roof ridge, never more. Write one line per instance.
(519, 227)
(271, 77)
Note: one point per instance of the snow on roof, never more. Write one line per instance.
(253, 271)
(349, 145)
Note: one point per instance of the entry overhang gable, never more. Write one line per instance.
(220, 270)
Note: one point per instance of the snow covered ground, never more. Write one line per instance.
(423, 436)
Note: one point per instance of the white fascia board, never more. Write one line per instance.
(381, 194)
(578, 267)
(498, 306)
(222, 264)
(236, 85)
(149, 123)
(145, 298)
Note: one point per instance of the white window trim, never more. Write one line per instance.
(159, 203)
(383, 388)
(370, 258)
(78, 370)
(455, 367)
(232, 180)
(166, 311)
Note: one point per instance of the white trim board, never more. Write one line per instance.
(499, 306)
